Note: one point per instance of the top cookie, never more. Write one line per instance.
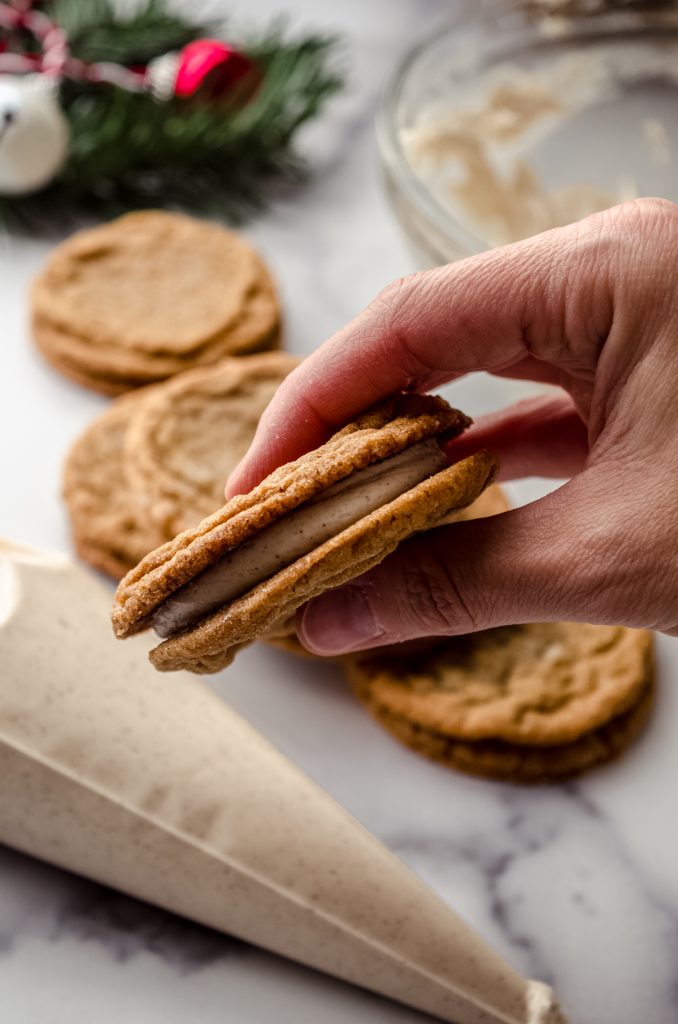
(540, 684)
(192, 431)
(379, 518)
(150, 294)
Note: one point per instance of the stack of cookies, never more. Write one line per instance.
(156, 461)
(531, 704)
(150, 295)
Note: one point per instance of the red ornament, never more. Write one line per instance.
(211, 67)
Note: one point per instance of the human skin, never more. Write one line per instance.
(592, 308)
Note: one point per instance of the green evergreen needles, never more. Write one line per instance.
(129, 149)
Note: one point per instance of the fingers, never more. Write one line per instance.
(541, 436)
(562, 558)
(527, 306)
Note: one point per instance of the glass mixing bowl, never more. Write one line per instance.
(503, 124)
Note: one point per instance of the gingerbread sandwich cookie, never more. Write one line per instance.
(311, 525)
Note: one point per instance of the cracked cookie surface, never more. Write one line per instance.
(192, 431)
(157, 459)
(149, 295)
(541, 684)
(108, 531)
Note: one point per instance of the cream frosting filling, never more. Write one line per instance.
(297, 533)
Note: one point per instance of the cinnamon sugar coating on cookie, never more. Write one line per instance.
(392, 427)
(382, 432)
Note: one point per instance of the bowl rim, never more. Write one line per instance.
(392, 153)
(395, 163)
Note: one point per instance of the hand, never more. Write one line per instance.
(593, 308)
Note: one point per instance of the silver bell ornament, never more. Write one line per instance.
(34, 134)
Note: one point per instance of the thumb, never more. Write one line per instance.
(552, 560)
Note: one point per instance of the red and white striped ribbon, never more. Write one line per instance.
(54, 59)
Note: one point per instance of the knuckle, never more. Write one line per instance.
(397, 312)
(395, 307)
(652, 208)
(641, 236)
(397, 294)
(643, 215)
(401, 302)
(432, 599)
(647, 230)
(625, 572)
(634, 230)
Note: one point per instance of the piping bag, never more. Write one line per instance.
(153, 786)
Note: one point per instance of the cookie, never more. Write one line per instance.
(134, 368)
(187, 437)
(158, 459)
(108, 532)
(522, 702)
(108, 386)
(539, 684)
(490, 503)
(493, 759)
(311, 525)
(149, 295)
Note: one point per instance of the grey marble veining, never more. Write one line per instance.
(577, 884)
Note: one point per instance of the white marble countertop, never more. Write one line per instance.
(576, 885)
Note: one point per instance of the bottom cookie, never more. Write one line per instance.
(492, 502)
(291, 644)
(507, 762)
(64, 355)
(103, 385)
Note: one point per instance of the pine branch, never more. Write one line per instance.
(129, 150)
(97, 33)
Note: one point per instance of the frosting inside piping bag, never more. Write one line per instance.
(297, 533)
(156, 787)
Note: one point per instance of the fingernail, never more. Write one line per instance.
(338, 622)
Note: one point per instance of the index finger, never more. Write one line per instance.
(500, 309)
